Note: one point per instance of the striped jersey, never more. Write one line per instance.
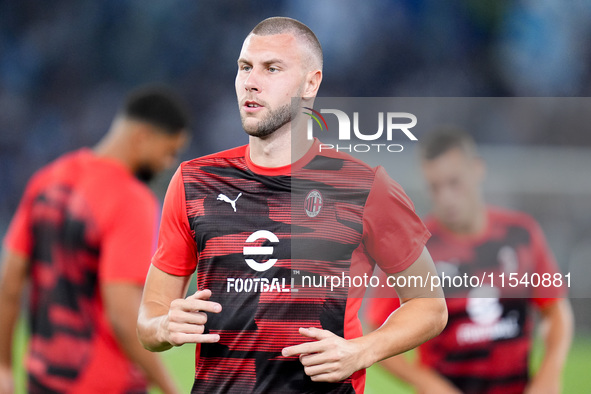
(261, 238)
(84, 221)
(486, 344)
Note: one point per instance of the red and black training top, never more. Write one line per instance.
(328, 214)
(84, 221)
(486, 344)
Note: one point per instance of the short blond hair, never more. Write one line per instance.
(282, 25)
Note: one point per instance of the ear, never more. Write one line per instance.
(313, 80)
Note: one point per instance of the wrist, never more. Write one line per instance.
(153, 334)
(162, 337)
(366, 352)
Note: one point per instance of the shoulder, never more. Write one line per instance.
(212, 163)
(112, 186)
(142, 192)
(65, 162)
(121, 201)
(431, 222)
(229, 154)
(62, 169)
(350, 161)
(342, 169)
(508, 217)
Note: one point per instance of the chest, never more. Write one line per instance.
(258, 219)
(509, 251)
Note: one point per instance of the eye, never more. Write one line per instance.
(245, 67)
(273, 69)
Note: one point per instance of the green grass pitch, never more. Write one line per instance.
(181, 361)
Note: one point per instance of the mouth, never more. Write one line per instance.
(252, 106)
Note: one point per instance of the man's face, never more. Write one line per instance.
(454, 180)
(271, 71)
(158, 151)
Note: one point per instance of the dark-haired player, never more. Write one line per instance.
(231, 217)
(485, 347)
(83, 236)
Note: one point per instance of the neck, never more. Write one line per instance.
(284, 147)
(115, 145)
(478, 225)
(475, 226)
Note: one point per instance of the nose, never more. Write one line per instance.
(251, 83)
(446, 196)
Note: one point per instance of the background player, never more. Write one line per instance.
(83, 235)
(485, 346)
(256, 341)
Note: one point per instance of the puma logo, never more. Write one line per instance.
(224, 198)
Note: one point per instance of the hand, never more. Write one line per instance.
(329, 359)
(186, 320)
(6, 380)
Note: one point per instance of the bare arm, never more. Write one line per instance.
(422, 315)
(557, 320)
(122, 301)
(166, 319)
(12, 280)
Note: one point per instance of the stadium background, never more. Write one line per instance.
(65, 66)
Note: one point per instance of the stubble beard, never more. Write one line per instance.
(272, 122)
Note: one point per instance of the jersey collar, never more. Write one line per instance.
(283, 170)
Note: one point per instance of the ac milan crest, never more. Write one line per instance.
(313, 203)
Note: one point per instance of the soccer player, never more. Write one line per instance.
(230, 217)
(83, 236)
(486, 345)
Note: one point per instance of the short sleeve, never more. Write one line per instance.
(393, 234)
(544, 263)
(128, 238)
(177, 250)
(19, 237)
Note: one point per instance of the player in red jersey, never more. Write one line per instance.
(83, 236)
(486, 344)
(250, 218)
